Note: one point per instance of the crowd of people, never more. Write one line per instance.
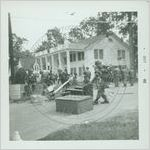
(104, 75)
(31, 79)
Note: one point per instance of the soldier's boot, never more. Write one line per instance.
(124, 84)
(131, 83)
(105, 99)
(96, 101)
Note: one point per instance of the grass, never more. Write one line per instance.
(123, 127)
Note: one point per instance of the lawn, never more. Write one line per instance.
(122, 127)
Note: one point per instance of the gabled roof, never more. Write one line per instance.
(87, 42)
(120, 40)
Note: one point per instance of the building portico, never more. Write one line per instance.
(60, 60)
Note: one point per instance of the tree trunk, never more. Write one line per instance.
(11, 55)
(131, 44)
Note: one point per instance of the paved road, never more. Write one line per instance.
(34, 121)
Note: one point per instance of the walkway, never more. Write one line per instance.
(34, 121)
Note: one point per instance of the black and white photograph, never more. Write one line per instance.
(73, 71)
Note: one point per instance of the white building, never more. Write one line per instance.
(110, 50)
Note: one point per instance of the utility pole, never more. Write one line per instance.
(11, 53)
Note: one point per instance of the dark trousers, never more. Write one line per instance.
(100, 94)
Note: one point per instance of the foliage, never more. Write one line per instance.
(54, 38)
(75, 34)
(17, 48)
(91, 26)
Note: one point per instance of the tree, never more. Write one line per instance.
(75, 34)
(104, 23)
(92, 26)
(17, 47)
(54, 38)
(88, 27)
(127, 25)
(43, 46)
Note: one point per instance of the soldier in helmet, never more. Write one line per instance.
(87, 75)
(131, 77)
(125, 76)
(116, 77)
(99, 84)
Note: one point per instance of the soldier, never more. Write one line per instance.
(74, 79)
(131, 77)
(99, 84)
(60, 76)
(20, 75)
(33, 81)
(116, 77)
(27, 87)
(125, 77)
(87, 75)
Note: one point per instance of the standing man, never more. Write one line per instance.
(87, 75)
(131, 77)
(99, 84)
(116, 77)
(125, 76)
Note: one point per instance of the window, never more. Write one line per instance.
(73, 70)
(49, 60)
(72, 57)
(101, 54)
(65, 60)
(96, 53)
(121, 54)
(43, 63)
(80, 56)
(80, 71)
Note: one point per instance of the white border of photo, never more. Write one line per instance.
(142, 7)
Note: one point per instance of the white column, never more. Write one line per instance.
(41, 64)
(68, 61)
(46, 62)
(59, 59)
(52, 65)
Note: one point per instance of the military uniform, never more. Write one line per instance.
(131, 77)
(87, 76)
(116, 77)
(125, 77)
(99, 84)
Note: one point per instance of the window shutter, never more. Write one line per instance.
(95, 53)
(101, 54)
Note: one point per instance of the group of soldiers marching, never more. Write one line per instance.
(104, 75)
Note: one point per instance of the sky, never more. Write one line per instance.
(31, 20)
